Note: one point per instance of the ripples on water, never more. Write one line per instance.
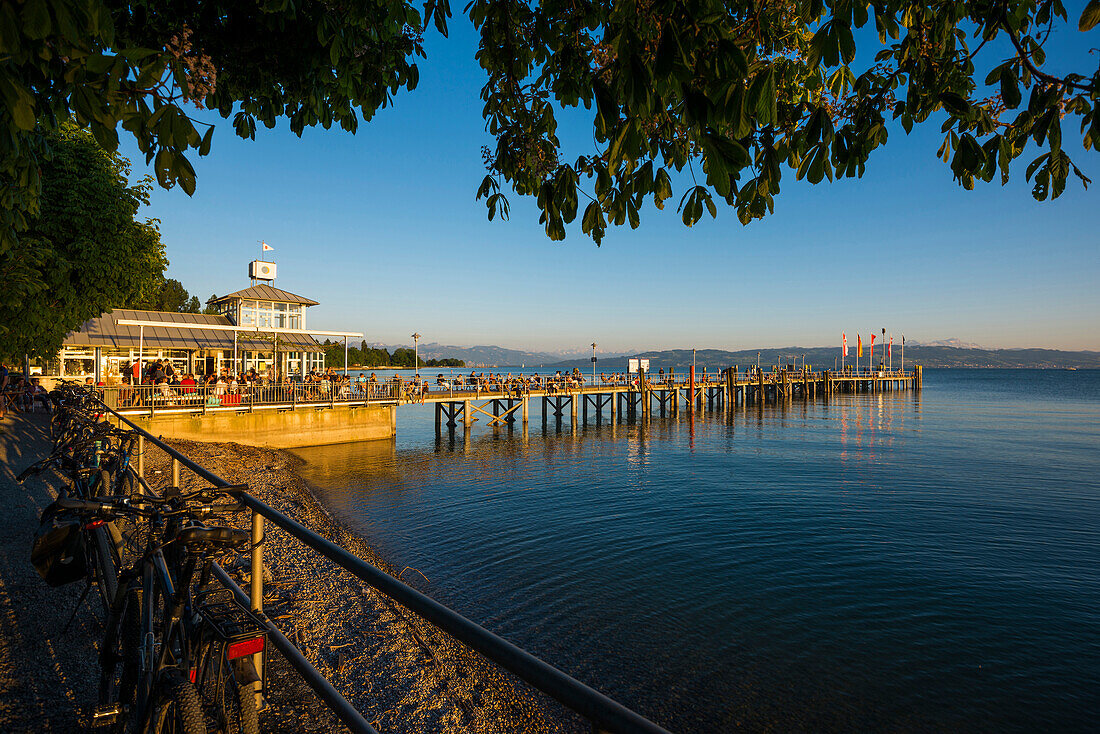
(895, 562)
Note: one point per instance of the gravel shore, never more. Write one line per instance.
(401, 672)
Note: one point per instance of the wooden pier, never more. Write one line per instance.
(642, 397)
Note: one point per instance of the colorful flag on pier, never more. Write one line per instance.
(871, 357)
(890, 349)
(859, 345)
(844, 338)
(267, 247)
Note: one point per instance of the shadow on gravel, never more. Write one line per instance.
(46, 677)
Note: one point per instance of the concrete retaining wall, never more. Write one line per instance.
(279, 429)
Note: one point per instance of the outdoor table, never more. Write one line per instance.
(12, 400)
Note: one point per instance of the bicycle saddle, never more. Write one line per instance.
(217, 537)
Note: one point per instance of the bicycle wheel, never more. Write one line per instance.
(57, 424)
(120, 657)
(176, 708)
(130, 534)
(231, 703)
(105, 564)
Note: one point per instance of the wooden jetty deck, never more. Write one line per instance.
(295, 414)
(644, 396)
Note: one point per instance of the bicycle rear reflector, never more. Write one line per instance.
(244, 647)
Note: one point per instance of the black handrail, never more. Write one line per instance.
(603, 712)
(339, 705)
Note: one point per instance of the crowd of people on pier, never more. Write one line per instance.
(158, 381)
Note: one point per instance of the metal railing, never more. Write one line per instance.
(166, 398)
(602, 712)
(131, 399)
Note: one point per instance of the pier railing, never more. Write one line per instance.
(603, 713)
(165, 398)
(178, 398)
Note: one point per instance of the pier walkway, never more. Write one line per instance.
(643, 396)
(509, 401)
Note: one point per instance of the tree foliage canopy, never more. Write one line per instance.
(82, 254)
(167, 294)
(730, 92)
(365, 356)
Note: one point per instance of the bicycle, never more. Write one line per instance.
(178, 647)
(101, 564)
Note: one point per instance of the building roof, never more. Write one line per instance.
(265, 292)
(105, 331)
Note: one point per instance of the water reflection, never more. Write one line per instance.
(826, 565)
(861, 425)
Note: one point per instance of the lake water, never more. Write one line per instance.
(901, 562)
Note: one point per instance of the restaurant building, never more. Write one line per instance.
(200, 343)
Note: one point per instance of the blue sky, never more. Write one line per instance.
(382, 229)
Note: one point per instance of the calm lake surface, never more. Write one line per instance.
(898, 562)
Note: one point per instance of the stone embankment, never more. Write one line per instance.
(401, 672)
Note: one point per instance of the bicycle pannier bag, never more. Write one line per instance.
(58, 552)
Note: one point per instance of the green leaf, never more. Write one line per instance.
(36, 19)
(593, 223)
(662, 188)
(185, 174)
(632, 215)
(762, 97)
(954, 103)
(847, 44)
(106, 136)
(667, 52)
(204, 146)
(615, 152)
(163, 168)
(733, 152)
(19, 101)
(606, 105)
(816, 170)
(1090, 16)
(1010, 89)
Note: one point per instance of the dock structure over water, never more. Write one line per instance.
(642, 397)
(305, 414)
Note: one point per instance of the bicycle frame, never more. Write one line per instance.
(187, 637)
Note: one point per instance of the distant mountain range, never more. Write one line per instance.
(942, 353)
(823, 358)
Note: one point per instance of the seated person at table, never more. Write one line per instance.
(187, 384)
(37, 394)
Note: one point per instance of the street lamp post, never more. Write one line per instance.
(593, 363)
(884, 346)
(416, 353)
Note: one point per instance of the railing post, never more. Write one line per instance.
(256, 595)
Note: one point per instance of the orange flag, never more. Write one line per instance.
(859, 345)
